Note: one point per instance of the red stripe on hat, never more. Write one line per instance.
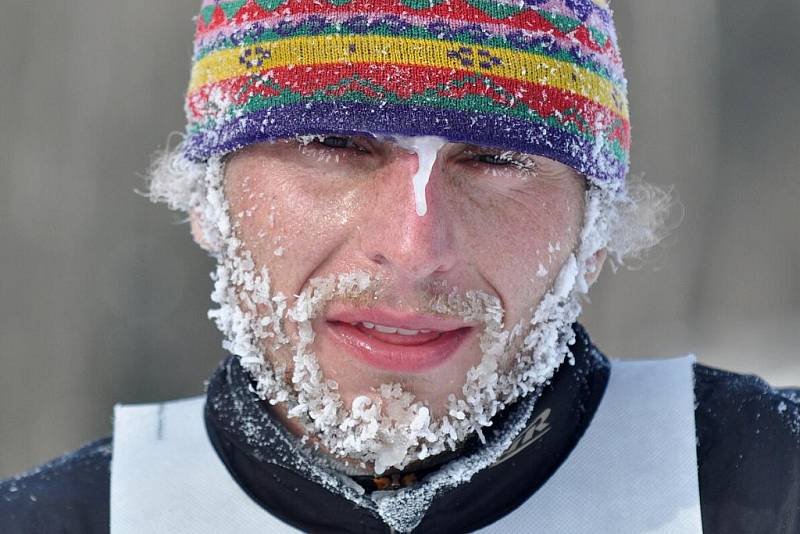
(404, 81)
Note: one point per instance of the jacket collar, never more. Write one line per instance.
(527, 443)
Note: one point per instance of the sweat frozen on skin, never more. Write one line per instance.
(365, 433)
(426, 148)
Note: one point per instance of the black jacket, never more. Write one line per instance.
(748, 438)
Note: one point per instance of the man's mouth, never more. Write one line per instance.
(395, 341)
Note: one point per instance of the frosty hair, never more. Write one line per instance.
(640, 216)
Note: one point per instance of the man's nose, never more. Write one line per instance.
(399, 239)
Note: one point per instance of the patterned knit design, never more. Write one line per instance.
(537, 76)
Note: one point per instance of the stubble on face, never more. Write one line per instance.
(299, 232)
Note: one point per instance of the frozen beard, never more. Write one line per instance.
(390, 428)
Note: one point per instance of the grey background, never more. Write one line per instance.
(103, 296)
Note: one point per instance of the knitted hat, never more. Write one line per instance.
(538, 76)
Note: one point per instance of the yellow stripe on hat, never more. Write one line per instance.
(306, 52)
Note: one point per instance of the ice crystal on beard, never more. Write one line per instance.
(542, 271)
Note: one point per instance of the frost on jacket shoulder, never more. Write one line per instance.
(748, 451)
(67, 495)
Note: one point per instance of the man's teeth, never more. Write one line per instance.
(391, 330)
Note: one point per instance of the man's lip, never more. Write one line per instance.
(394, 352)
(396, 319)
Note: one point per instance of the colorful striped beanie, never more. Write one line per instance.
(537, 76)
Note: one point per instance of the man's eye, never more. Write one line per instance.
(493, 159)
(333, 141)
(517, 160)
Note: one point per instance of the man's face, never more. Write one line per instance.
(499, 223)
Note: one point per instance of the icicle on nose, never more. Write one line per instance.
(426, 148)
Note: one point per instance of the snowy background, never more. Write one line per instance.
(103, 296)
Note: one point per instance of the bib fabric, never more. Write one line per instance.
(633, 471)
